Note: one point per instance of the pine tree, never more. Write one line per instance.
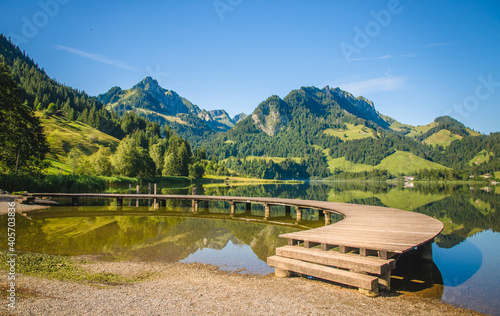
(22, 142)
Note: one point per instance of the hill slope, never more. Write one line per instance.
(63, 135)
(400, 162)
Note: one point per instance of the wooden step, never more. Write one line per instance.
(362, 281)
(333, 258)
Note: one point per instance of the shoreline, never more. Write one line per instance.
(187, 289)
(22, 208)
(199, 289)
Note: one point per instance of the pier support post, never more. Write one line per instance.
(425, 250)
(129, 192)
(155, 201)
(137, 192)
(74, 201)
(119, 202)
(149, 192)
(384, 282)
(249, 208)
(288, 210)
(195, 206)
(328, 218)
(233, 207)
(299, 215)
(267, 211)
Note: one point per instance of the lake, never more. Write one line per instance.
(465, 271)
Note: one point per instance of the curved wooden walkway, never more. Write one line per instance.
(364, 241)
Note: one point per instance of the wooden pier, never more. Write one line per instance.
(360, 250)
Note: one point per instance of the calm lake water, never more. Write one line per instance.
(466, 268)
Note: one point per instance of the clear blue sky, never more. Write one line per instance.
(415, 59)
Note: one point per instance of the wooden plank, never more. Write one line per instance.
(333, 258)
(363, 281)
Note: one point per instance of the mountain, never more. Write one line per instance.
(342, 133)
(147, 98)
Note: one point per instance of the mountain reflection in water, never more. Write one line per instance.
(465, 271)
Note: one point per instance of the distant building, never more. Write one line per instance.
(407, 178)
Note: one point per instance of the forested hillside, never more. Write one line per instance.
(324, 125)
(144, 149)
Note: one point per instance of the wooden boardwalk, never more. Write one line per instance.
(358, 250)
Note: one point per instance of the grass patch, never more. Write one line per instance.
(443, 138)
(57, 167)
(352, 132)
(401, 162)
(481, 157)
(65, 269)
(62, 135)
(346, 165)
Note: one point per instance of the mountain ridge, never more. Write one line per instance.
(166, 107)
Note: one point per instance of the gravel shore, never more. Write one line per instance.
(21, 208)
(198, 289)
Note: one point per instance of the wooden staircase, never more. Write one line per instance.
(367, 273)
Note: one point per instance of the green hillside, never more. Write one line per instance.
(400, 162)
(481, 157)
(63, 135)
(442, 138)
